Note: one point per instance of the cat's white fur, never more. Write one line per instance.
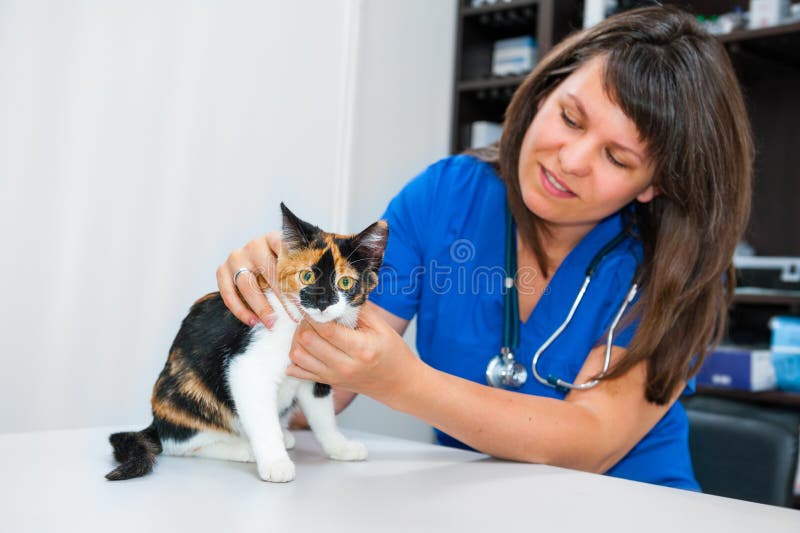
(261, 390)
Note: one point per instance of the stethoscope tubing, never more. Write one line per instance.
(559, 383)
(511, 315)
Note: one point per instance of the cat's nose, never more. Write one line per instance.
(323, 303)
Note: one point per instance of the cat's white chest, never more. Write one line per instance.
(266, 357)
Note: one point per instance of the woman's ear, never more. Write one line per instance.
(648, 194)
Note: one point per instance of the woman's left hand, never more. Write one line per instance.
(372, 359)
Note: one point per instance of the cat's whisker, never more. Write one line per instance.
(360, 260)
(351, 254)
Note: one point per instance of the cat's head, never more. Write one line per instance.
(329, 275)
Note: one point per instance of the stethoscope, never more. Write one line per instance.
(503, 370)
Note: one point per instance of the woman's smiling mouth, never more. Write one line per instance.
(553, 186)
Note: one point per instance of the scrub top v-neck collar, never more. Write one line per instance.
(564, 284)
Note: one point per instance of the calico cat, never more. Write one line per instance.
(223, 392)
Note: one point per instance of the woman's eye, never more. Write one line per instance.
(568, 121)
(307, 277)
(615, 161)
(346, 283)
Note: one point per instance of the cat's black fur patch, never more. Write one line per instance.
(318, 241)
(321, 390)
(322, 293)
(168, 430)
(136, 452)
(214, 336)
(364, 251)
(298, 233)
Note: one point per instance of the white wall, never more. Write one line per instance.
(141, 141)
(401, 125)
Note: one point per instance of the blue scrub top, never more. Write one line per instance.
(444, 262)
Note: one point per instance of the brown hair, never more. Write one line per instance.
(676, 83)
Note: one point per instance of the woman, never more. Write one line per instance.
(635, 127)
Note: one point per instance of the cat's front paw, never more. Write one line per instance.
(279, 471)
(348, 450)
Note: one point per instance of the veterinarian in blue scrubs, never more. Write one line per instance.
(447, 219)
(633, 128)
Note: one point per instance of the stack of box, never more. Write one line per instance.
(734, 367)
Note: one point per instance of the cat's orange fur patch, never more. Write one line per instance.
(289, 265)
(167, 412)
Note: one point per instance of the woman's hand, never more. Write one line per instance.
(246, 299)
(372, 359)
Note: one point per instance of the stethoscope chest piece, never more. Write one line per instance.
(505, 372)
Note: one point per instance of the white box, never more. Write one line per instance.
(514, 56)
(596, 10)
(483, 133)
(765, 13)
(735, 367)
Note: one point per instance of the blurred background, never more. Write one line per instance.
(142, 141)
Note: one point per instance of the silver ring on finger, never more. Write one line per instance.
(238, 272)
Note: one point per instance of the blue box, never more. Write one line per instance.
(734, 367)
(785, 349)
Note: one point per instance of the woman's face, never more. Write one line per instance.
(581, 158)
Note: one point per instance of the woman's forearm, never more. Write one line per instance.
(504, 424)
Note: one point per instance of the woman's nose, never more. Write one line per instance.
(575, 157)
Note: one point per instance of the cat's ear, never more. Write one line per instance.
(371, 243)
(296, 233)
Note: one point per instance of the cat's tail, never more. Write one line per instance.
(136, 450)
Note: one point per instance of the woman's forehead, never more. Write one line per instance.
(586, 89)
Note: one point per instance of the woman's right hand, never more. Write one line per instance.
(246, 299)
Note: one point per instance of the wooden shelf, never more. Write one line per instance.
(765, 296)
(779, 44)
(491, 83)
(747, 35)
(777, 398)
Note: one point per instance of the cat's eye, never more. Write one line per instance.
(307, 277)
(346, 283)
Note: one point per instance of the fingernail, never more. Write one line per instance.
(253, 322)
(269, 322)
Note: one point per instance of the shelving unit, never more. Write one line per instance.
(477, 95)
(767, 62)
